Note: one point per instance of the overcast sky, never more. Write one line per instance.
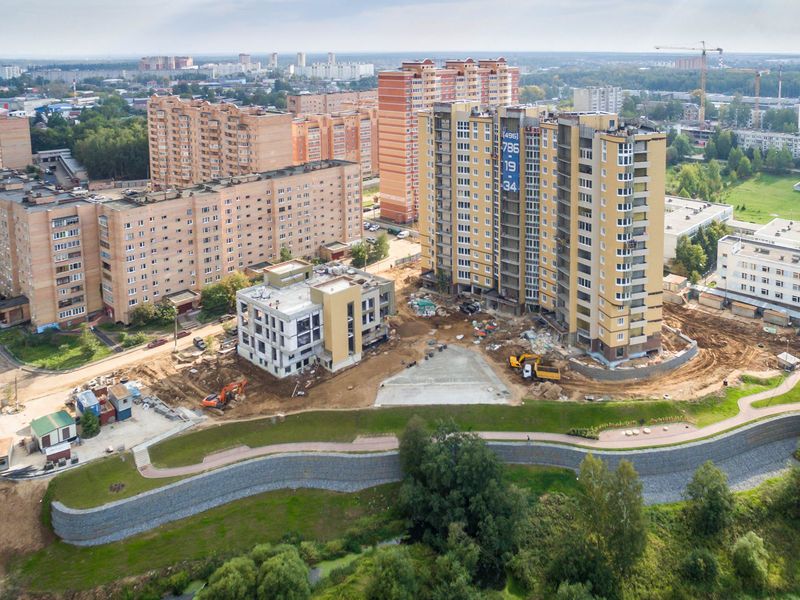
(92, 28)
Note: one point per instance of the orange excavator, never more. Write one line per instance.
(226, 395)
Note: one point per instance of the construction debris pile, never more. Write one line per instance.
(542, 341)
(423, 306)
(546, 390)
(482, 329)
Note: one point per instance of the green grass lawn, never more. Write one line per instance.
(764, 196)
(49, 350)
(542, 480)
(789, 397)
(224, 531)
(713, 409)
(533, 415)
(90, 485)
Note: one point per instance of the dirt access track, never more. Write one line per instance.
(727, 346)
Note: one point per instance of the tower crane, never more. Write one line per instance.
(703, 50)
(757, 88)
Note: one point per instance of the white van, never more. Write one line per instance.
(403, 234)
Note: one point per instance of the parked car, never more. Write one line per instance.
(199, 343)
(403, 234)
(184, 333)
(367, 225)
(157, 342)
(394, 230)
(371, 240)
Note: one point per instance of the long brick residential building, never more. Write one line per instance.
(417, 86)
(71, 257)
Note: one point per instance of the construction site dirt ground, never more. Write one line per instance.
(21, 529)
(727, 347)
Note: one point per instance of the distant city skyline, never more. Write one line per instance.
(97, 28)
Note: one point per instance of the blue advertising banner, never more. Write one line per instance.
(509, 153)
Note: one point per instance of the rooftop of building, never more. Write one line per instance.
(764, 250)
(258, 111)
(35, 196)
(682, 214)
(139, 198)
(786, 231)
(296, 298)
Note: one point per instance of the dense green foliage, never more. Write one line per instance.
(53, 350)
(749, 559)
(109, 141)
(454, 479)
(147, 313)
(90, 425)
(220, 297)
(695, 256)
(709, 506)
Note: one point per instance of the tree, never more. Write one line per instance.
(758, 161)
(221, 297)
(709, 500)
(575, 591)
(284, 577)
(142, 314)
(379, 250)
(393, 576)
(414, 443)
(682, 145)
(724, 143)
(745, 169)
(701, 567)
(234, 580)
(790, 495)
(88, 342)
(690, 256)
(750, 560)
(358, 251)
(580, 560)
(530, 94)
(459, 480)
(286, 253)
(613, 511)
(733, 159)
(90, 424)
(710, 151)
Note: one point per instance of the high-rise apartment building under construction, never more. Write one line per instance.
(559, 214)
(417, 86)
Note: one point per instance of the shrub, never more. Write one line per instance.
(178, 582)
(749, 559)
(129, 340)
(700, 567)
(90, 425)
(710, 500)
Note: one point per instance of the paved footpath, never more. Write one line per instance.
(747, 413)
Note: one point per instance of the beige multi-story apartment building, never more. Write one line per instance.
(50, 272)
(417, 86)
(562, 214)
(350, 136)
(321, 104)
(70, 257)
(15, 143)
(171, 244)
(192, 141)
(303, 315)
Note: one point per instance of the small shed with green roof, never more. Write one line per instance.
(53, 429)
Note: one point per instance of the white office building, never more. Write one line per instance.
(304, 315)
(686, 216)
(766, 272)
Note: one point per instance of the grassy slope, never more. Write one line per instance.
(233, 528)
(766, 195)
(63, 353)
(226, 530)
(90, 484)
(789, 397)
(533, 415)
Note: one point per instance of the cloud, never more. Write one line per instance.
(136, 27)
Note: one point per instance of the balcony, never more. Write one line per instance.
(636, 340)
